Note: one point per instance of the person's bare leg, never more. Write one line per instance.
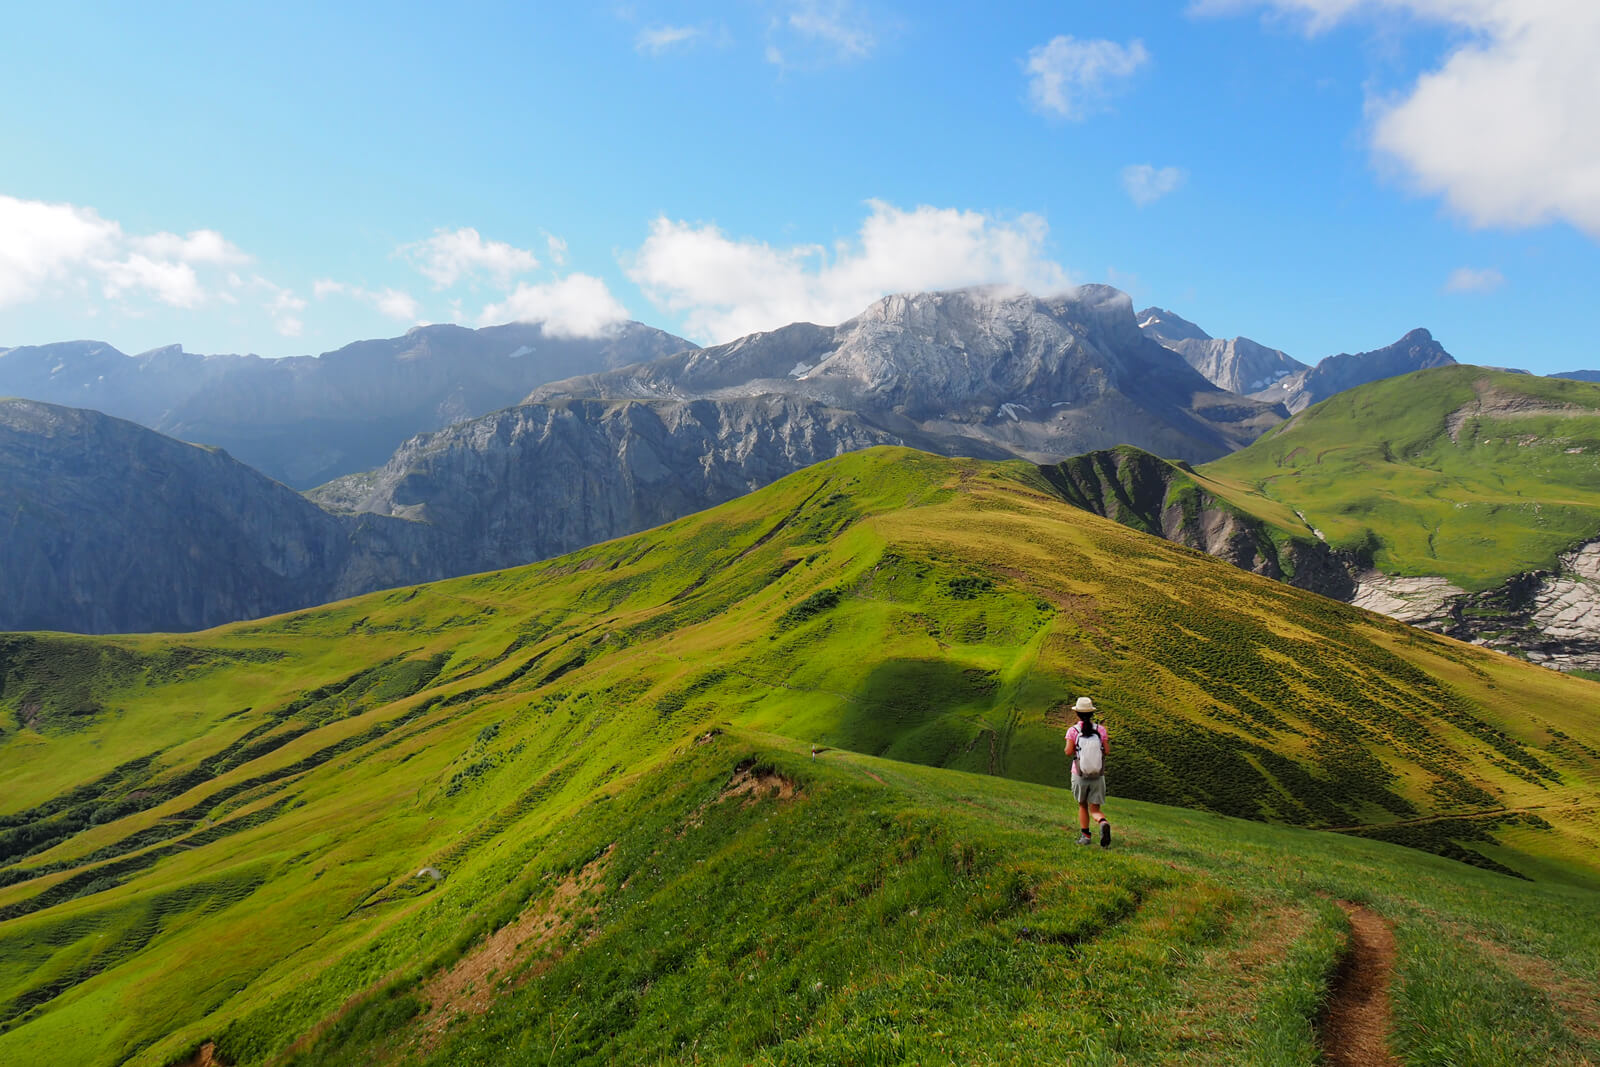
(1083, 817)
(1092, 809)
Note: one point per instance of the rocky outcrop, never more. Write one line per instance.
(306, 419)
(1238, 364)
(1415, 351)
(1137, 489)
(109, 527)
(1549, 617)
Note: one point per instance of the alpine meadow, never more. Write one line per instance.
(800, 533)
(781, 782)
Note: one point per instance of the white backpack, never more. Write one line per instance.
(1091, 754)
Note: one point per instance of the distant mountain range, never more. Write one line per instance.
(117, 528)
(1271, 376)
(306, 419)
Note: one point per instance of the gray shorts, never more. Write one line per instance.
(1089, 790)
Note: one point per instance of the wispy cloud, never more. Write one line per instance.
(1469, 280)
(392, 303)
(1504, 129)
(654, 40)
(1071, 79)
(813, 33)
(726, 287)
(1146, 184)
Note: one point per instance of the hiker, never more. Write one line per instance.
(1086, 744)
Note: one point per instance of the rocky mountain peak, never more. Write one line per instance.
(1163, 325)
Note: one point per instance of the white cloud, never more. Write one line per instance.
(172, 283)
(1468, 280)
(814, 33)
(1504, 129)
(451, 255)
(1071, 79)
(390, 302)
(53, 249)
(1146, 184)
(396, 304)
(725, 288)
(579, 305)
(654, 40)
(200, 246)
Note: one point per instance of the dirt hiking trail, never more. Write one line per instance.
(1355, 1026)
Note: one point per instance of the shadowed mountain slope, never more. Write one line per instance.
(546, 741)
(111, 527)
(1415, 351)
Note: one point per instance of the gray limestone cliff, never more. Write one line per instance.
(538, 480)
(1238, 364)
(984, 369)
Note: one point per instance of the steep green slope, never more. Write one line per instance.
(218, 835)
(1469, 474)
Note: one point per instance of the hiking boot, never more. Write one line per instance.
(1105, 834)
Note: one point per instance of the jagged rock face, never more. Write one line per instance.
(1238, 365)
(1147, 493)
(305, 419)
(542, 479)
(1549, 618)
(109, 527)
(1042, 378)
(1417, 350)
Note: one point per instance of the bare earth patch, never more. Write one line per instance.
(750, 782)
(205, 1056)
(1355, 1026)
(470, 985)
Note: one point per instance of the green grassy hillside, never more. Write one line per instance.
(1470, 474)
(217, 836)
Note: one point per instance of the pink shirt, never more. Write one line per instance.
(1072, 736)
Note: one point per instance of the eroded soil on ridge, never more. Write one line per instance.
(472, 983)
(1355, 1027)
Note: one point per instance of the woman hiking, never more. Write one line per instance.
(1086, 744)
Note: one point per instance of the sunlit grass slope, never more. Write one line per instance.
(217, 835)
(1470, 474)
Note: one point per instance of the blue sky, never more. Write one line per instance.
(1319, 175)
